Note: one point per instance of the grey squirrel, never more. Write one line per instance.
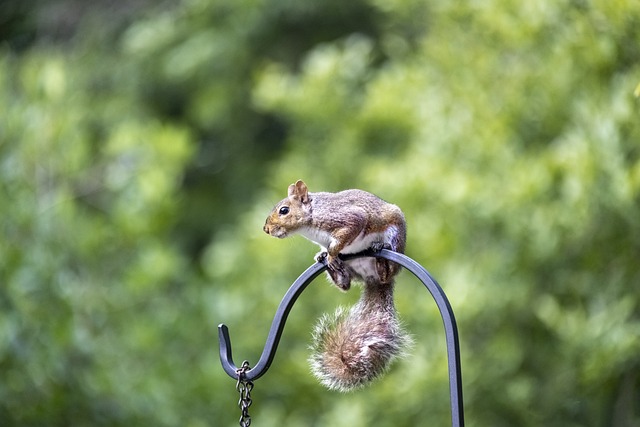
(354, 346)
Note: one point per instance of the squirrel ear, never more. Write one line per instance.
(292, 190)
(299, 191)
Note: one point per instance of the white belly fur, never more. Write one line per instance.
(359, 244)
(362, 242)
(364, 267)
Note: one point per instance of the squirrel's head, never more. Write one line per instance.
(290, 213)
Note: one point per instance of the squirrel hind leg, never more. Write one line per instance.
(386, 270)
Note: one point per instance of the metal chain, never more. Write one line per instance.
(244, 387)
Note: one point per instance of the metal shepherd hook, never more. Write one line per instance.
(277, 327)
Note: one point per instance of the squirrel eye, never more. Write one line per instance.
(284, 210)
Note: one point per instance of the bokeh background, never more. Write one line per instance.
(142, 144)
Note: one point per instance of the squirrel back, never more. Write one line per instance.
(354, 346)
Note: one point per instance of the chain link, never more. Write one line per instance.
(244, 387)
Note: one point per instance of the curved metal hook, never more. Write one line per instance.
(275, 332)
(277, 327)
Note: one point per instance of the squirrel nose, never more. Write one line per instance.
(265, 228)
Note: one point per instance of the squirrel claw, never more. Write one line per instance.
(321, 257)
(378, 246)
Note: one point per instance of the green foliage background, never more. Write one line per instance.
(142, 146)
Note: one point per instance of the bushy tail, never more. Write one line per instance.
(355, 346)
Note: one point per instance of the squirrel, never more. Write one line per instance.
(357, 345)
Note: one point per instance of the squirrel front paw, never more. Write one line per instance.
(336, 270)
(338, 273)
(321, 257)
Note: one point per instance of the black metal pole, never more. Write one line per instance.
(280, 318)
